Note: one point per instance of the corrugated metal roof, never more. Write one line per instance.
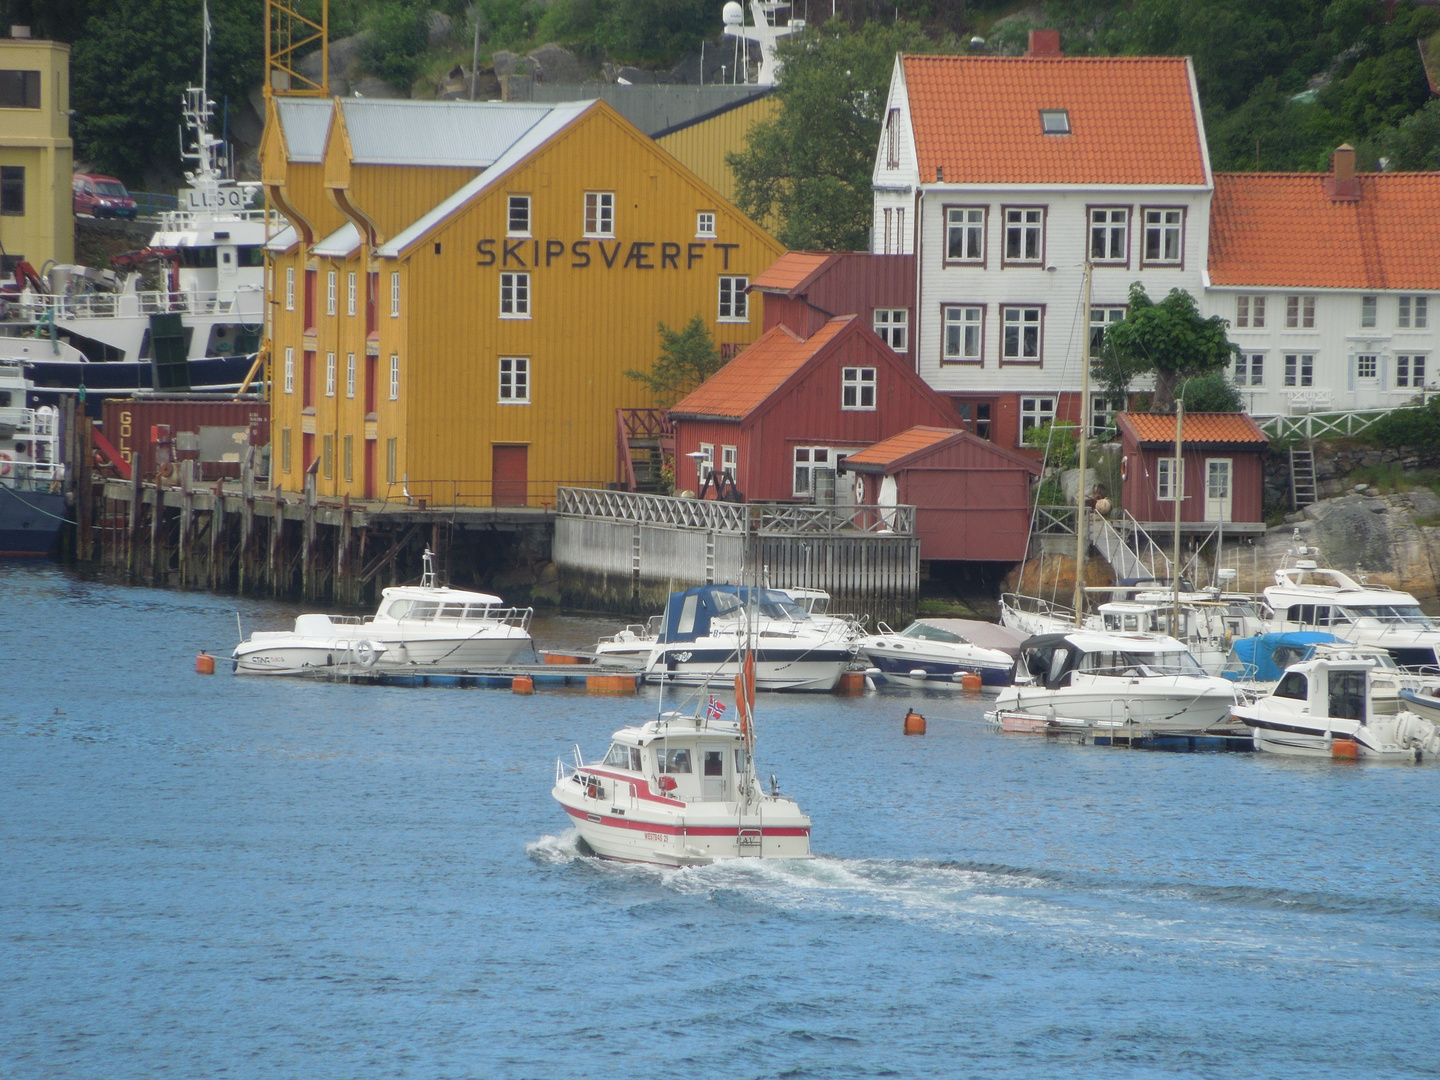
(305, 123)
(739, 387)
(340, 244)
(1199, 427)
(557, 118)
(435, 133)
(790, 270)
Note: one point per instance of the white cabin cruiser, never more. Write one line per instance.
(700, 641)
(415, 624)
(1339, 706)
(632, 646)
(941, 652)
(681, 790)
(1088, 678)
(1308, 597)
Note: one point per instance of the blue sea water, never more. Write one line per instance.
(250, 877)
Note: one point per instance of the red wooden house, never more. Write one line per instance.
(971, 497)
(1222, 457)
(805, 289)
(783, 415)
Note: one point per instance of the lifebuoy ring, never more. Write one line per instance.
(366, 653)
(5, 460)
(1124, 468)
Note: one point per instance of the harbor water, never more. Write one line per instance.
(253, 877)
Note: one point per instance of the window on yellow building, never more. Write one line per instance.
(518, 222)
(395, 295)
(330, 374)
(289, 288)
(394, 378)
(12, 189)
(734, 305)
(347, 459)
(289, 369)
(285, 450)
(350, 295)
(705, 223)
(332, 288)
(599, 213)
(350, 375)
(515, 296)
(19, 89)
(390, 461)
(514, 380)
(327, 456)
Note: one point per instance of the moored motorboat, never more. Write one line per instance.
(32, 497)
(1339, 706)
(425, 624)
(941, 652)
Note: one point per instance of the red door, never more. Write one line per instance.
(510, 475)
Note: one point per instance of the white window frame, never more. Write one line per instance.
(1410, 370)
(892, 326)
(1369, 310)
(395, 295)
(730, 462)
(1300, 311)
(806, 460)
(1165, 225)
(290, 288)
(1036, 411)
(706, 464)
(350, 375)
(514, 380)
(1164, 475)
(600, 214)
(1250, 311)
(734, 302)
(963, 338)
(394, 376)
(1055, 121)
(1412, 312)
(1105, 223)
(1299, 370)
(514, 296)
(892, 139)
(1101, 317)
(1022, 324)
(858, 389)
(705, 223)
(1250, 369)
(329, 374)
(1024, 224)
(512, 204)
(352, 292)
(1367, 362)
(332, 291)
(1102, 414)
(968, 223)
(289, 369)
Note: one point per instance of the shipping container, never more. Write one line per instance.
(214, 432)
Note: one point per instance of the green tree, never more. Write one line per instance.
(809, 168)
(396, 41)
(1172, 338)
(687, 358)
(1211, 392)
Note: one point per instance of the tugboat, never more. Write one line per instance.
(32, 498)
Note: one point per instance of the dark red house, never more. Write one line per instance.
(804, 290)
(1222, 458)
(785, 413)
(971, 497)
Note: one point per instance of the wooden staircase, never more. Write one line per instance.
(644, 440)
(1302, 477)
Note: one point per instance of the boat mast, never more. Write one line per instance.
(1178, 491)
(1080, 534)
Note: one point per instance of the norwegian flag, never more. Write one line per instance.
(715, 709)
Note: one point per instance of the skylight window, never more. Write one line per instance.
(1055, 121)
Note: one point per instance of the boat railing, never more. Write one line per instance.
(511, 616)
(1036, 605)
(243, 300)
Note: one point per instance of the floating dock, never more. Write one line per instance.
(1129, 736)
(521, 678)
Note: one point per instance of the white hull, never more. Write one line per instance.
(291, 654)
(783, 673)
(1178, 703)
(1320, 746)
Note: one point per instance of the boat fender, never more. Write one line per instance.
(5, 460)
(1124, 468)
(366, 653)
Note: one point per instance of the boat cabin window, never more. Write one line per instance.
(740, 760)
(621, 755)
(1394, 614)
(1122, 661)
(925, 632)
(1241, 611)
(778, 605)
(724, 603)
(399, 609)
(714, 762)
(1293, 685)
(1057, 664)
(687, 615)
(1347, 695)
(451, 611)
(422, 609)
(1415, 659)
(1311, 615)
(817, 605)
(673, 760)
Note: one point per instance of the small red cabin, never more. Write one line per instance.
(971, 497)
(806, 289)
(1222, 457)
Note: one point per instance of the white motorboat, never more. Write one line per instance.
(32, 476)
(415, 624)
(630, 647)
(1306, 596)
(941, 652)
(1091, 679)
(681, 790)
(1341, 705)
(700, 640)
(1423, 702)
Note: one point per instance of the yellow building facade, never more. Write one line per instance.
(37, 219)
(465, 285)
(703, 144)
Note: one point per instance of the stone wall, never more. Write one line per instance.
(1335, 462)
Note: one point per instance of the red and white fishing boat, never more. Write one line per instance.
(681, 790)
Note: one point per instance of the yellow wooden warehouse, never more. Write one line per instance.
(702, 144)
(37, 220)
(463, 286)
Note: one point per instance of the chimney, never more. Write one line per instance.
(1044, 45)
(1341, 184)
(20, 32)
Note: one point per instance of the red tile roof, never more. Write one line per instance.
(1283, 230)
(896, 447)
(1133, 120)
(1200, 427)
(744, 383)
(790, 270)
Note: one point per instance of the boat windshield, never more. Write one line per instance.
(925, 632)
(1122, 662)
(1242, 609)
(623, 757)
(1392, 615)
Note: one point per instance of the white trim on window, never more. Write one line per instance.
(290, 288)
(965, 234)
(514, 296)
(1250, 369)
(600, 213)
(1021, 333)
(351, 293)
(332, 291)
(1164, 485)
(514, 380)
(1164, 239)
(289, 369)
(964, 332)
(734, 303)
(1410, 370)
(1300, 312)
(1299, 369)
(329, 374)
(1109, 234)
(892, 326)
(705, 223)
(350, 375)
(394, 377)
(395, 295)
(1035, 411)
(517, 220)
(857, 389)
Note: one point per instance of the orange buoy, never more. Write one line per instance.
(522, 684)
(914, 723)
(1345, 748)
(970, 681)
(205, 664)
(851, 682)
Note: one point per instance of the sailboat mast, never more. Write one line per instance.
(1080, 531)
(1177, 489)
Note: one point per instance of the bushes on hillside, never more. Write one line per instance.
(1408, 427)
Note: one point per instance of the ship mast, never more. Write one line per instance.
(1080, 532)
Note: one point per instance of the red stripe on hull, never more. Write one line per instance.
(684, 830)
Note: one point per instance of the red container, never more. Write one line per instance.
(214, 433)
